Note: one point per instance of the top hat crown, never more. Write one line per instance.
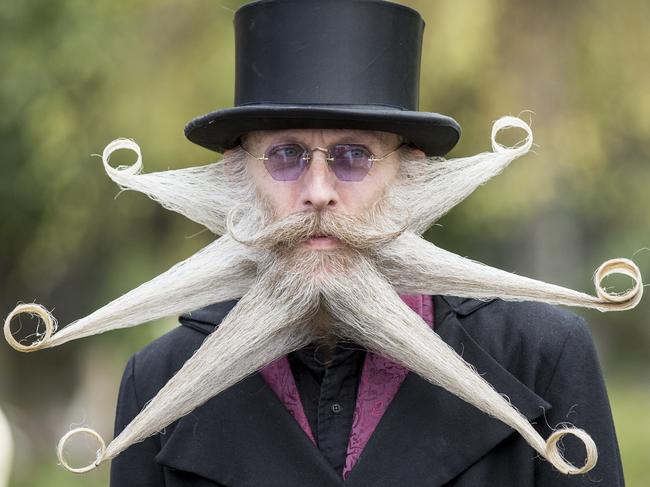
(327, 64)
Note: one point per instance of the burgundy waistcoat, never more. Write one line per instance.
(379, 382)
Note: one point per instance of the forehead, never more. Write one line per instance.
(372, 138)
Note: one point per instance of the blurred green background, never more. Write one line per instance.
(77, 74)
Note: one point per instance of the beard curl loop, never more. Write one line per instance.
(75, 432)
(554, 455)
(43, 339)
(626, 299)
(507, 122)
(117, 144)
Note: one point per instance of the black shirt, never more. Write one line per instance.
(328, 391)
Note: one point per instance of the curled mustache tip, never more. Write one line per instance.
(31, 309)
(258, 241)
(553, 454)
(230, 224)
(627, 299)
(101, 451)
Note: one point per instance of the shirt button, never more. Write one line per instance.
(336, 408)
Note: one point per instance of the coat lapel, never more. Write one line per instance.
(245, 437)
(427, 436)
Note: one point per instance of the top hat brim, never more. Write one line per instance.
(220, 130)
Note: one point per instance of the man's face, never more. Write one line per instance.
(318, 188)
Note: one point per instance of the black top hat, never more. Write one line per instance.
(327, 64)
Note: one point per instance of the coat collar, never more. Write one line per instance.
(246, 437)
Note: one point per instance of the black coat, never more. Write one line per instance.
(540, 356)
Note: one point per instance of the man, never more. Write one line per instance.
(319, 83)
(297, 362)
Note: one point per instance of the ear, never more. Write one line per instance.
(417, 153)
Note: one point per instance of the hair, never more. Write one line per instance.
(291, 295)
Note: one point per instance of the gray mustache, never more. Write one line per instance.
(361, 233)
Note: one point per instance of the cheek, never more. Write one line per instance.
(278, 196)
(282, 199)
(362, 195)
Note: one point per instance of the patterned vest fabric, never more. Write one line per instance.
(380, 380)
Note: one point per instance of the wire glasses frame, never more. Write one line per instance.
(349, 162)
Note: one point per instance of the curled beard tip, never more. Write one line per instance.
(248, 338)
(628, 298)
(101, 451)
(411, 264)
(43, 340)
(553, 454)
(390, 328)
(115, 145)
(507, 122)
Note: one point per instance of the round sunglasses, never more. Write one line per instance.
(349, 162)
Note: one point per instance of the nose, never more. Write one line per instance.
(319, 184)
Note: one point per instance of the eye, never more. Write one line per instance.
(358, 153)
(352, 153)
(287, 151)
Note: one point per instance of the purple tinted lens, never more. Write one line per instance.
(285, 162)
(351, 162)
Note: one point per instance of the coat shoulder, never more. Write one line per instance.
(150, 368)
(158, 361)
(529, 316)
(526, 320)
(527, 338)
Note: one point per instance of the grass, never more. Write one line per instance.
(631, 410)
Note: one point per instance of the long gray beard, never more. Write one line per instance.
(291, 295)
